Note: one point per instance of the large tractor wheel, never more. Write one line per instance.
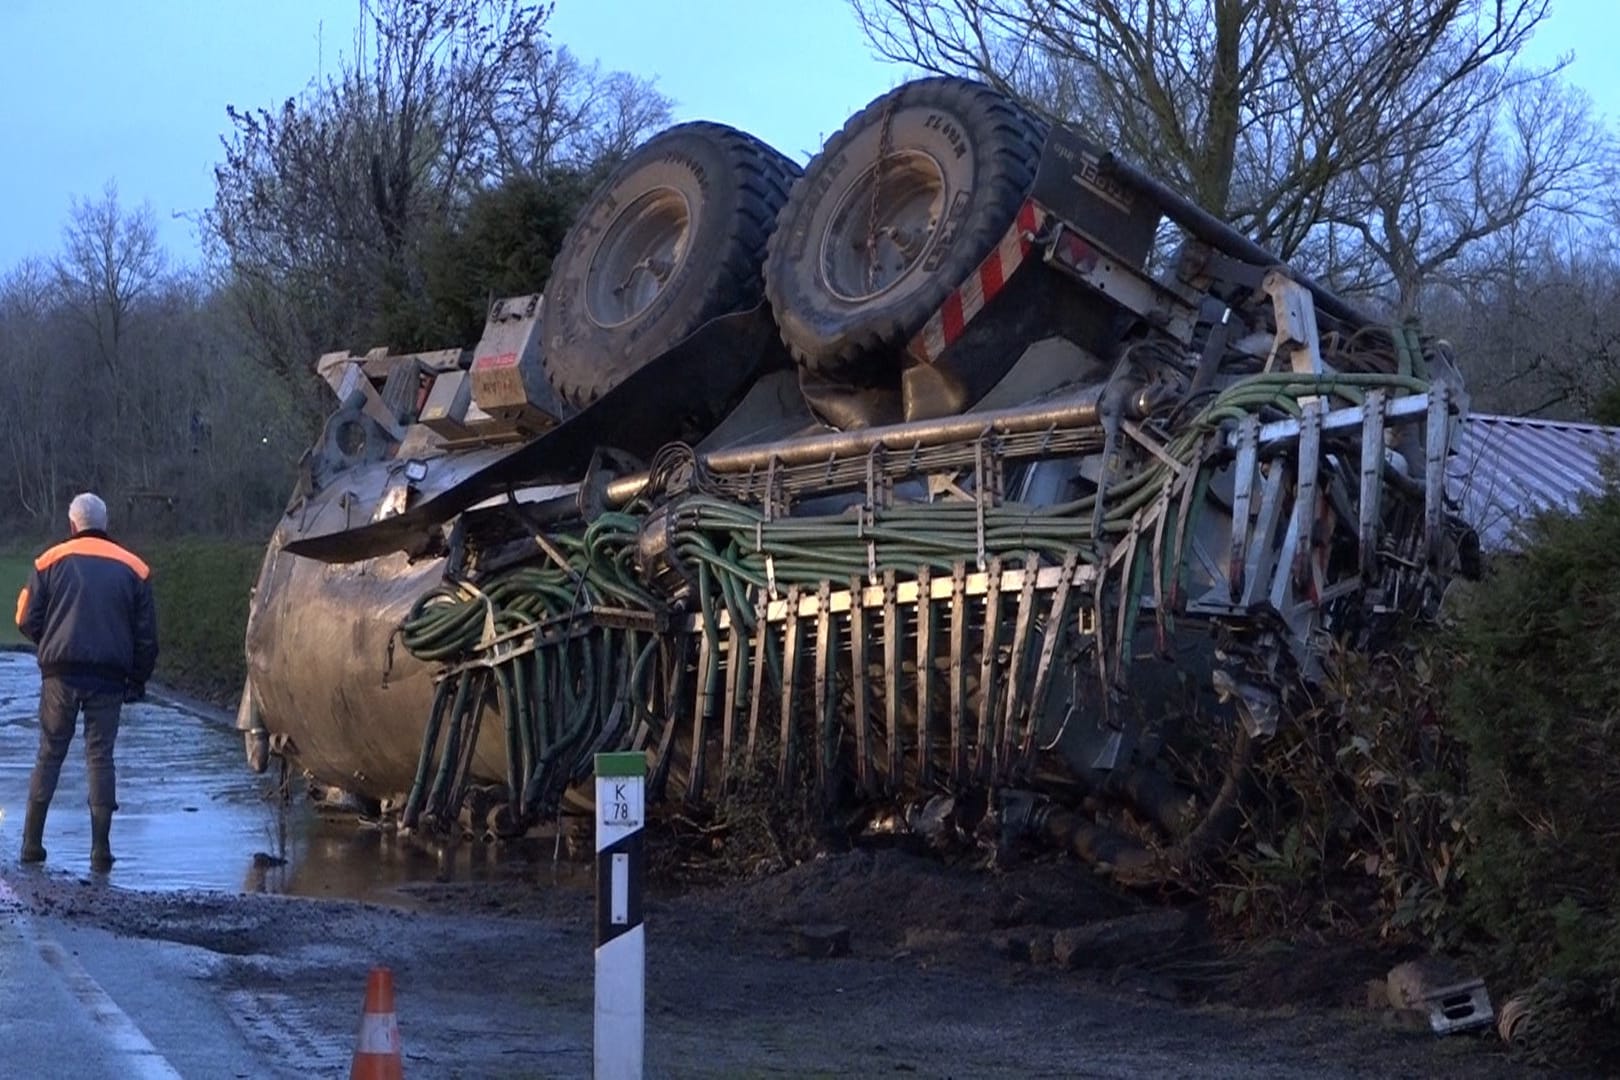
(674, 238)
(896, 211)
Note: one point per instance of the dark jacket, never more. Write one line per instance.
(88, 608)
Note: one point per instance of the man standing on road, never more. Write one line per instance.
(88, 609)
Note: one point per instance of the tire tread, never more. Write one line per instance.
(1017, 138)
(763, 178)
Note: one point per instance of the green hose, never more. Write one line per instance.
(558, 698)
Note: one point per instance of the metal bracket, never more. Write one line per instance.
(1295, 310)
(702, 716)
(1310, 461)
(790, 676)
(1436, 447)
(1372, 484)
(756, 697)
(1069, 251)
(1017, 662)
(986, 489)
(879, 481)
(1258, 566)
(775, 500)
(984, 748)
(858, 642)
(1460, 1007)
(1051, 638)
(925, 676)
(893, 633)
(826, 697)
(958, 685)
(736, 670)
(1248, 462)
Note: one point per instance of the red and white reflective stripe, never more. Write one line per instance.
(379, 1034)
(981, 287)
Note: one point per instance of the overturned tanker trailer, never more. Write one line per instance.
(874, 479)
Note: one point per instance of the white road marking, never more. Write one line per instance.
(141, 1060)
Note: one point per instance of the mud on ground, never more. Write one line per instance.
(951, 971)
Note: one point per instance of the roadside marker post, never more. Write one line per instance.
(621, 947)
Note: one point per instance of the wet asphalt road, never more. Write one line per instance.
(190, 815)
(79, 1002)
(122, 977)
(85, 1001)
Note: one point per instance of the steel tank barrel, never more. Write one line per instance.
(319, 660)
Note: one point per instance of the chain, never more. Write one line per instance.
(885, 145)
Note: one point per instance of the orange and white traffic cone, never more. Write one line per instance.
(377, 1055)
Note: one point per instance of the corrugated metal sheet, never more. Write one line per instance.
(1507, 467)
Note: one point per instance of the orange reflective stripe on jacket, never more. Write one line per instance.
(22, 605)
(95, 547)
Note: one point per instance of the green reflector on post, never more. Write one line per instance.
(622, 763)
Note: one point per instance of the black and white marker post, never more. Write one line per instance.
(621, 949)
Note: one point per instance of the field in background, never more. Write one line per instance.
(201, 587)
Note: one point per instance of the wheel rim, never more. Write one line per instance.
(884, 226)
(638, 257)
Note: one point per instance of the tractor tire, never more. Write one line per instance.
(674, 237)
(960, 160)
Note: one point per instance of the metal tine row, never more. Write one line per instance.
(995, 741)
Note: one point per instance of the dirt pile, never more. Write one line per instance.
(886, 895)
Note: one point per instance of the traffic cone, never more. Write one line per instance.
(376, 1055)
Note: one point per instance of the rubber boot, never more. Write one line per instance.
(101, 856)
(33, 844)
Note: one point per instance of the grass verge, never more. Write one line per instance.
(202, 587)
(13, 576)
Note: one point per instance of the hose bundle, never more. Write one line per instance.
(582, 684)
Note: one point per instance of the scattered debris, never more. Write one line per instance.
(1513, 1023)
(1130, 939)
(934, 822)
(1439, 990)
(1120, 942)
(821, 942)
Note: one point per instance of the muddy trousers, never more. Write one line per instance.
(59, 709)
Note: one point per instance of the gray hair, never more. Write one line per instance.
(87, 512)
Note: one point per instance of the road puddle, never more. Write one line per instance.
(192, 816)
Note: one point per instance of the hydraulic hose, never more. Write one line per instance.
(558, 698)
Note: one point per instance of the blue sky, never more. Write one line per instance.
(136, 90)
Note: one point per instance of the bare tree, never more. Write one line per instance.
(562, 112)
(1537, 321)
(1426, 205)
(34, 451)
(327, 209)
(110, 261)
(1291, 118)
(320, 204)
(109, 267)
